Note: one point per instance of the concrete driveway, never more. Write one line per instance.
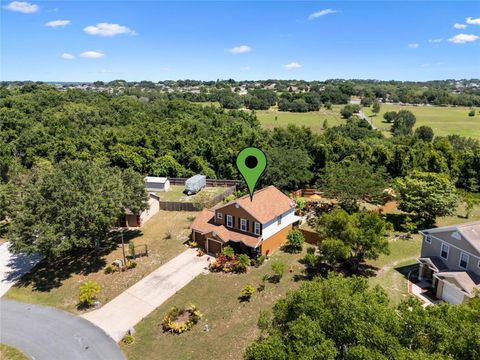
(13, 267)
(131, 306)
(47, 333)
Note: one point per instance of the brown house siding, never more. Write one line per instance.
(237, 214)
(199, 238)
(275, 241)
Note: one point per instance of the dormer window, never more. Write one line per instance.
(229, 221)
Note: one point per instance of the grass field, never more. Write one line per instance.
(232, 324)
(175, 193)
(310, 119)
(57, 284)
(10, 353)
(443, 120)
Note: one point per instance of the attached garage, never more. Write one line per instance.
(452, 294)
(213, 246)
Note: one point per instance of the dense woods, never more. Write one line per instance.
(42, 127)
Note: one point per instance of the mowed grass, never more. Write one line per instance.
(232, 324)
(270, 119)
(443, 120)
(175, 193)
(57, 284)
(11, 353)
(394, 268)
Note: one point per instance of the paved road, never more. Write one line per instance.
(13, 267)
(45, 333)
(131, 306)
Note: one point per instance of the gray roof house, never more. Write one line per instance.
(450, 260)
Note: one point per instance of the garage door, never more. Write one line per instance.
(214, 247)
(451, 294)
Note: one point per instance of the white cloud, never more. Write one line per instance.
(472, 21)
(463, 38)
(430, 65)
(321, 13)
(239, 49)
(67, 56)
(245, 68)
(413, 46)
(292, 65)
(166, 68)
(435, 41)
(106, 29)
(56, 23)
(22, 6)
(459, 26)
(92, 54)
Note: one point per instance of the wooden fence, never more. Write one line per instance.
(304, 193)
(188, 206)
(311, 237)
(210, 182)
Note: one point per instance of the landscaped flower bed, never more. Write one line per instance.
(178, 320)
(230, 263)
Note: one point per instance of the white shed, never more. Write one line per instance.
(154, 183)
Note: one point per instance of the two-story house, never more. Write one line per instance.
(253, 226)
(450, 260)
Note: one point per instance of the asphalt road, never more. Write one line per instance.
(45, 333)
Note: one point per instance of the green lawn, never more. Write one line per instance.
(232, 323)
(272, 118)
(175, 193)
(57, 283)
(10, 353)
(443, 120)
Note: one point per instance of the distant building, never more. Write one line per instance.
(154, 183)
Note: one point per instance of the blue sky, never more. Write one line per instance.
(315, 40)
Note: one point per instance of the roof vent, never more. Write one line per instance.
(236, 205)
(456, 235)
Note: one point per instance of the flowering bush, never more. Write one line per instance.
(178, 320)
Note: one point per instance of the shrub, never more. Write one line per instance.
(471, 112)
(278, 268)
(131, 264)
(247, 292)
(88, 293)
(260, 260)
(295, 240)
(228, 252)
(243, 261)
(109, 269)
(131, 248)
(192, 244)
(128, 339)
(228, 198)
(264, 320)
(178, 320)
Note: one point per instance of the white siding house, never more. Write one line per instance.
(279, 223)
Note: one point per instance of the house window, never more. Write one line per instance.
(229, 221)
(219, 216)
(279, 219)
(444, 251)
(256, 229)
(428, 239)
(243, 224)
(478, 263)
(463, 261)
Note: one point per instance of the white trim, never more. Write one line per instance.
(460, 260)
(235, 202)
(243, 224)
(441, 250)
(257, 228)
(208, 239)
(229, 222)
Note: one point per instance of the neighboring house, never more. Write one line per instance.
(253, 227)
(155, 184)
(450, 259)
(137, 220)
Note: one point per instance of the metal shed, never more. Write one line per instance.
(154, 183)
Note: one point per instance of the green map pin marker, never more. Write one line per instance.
(251, 162)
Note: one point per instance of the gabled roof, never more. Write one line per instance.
(155, 179)
(465, 280)
(470, 232)
(266, 204)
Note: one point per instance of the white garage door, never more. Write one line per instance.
(451, 294)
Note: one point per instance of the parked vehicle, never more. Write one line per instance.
(194, 184)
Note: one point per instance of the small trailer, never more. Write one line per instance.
(194, 184)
